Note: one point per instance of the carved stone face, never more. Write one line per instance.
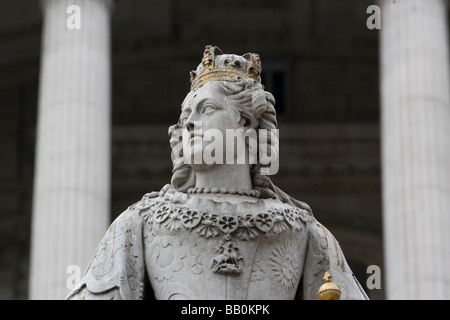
(207, 118)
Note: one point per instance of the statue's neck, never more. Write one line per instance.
(225, 176)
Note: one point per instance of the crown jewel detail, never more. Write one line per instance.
(217, 66)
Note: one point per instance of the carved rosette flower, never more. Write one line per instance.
(161, 214)
(264, 221)
(145, 203)
(207, 227)
(190, 218)
(227, 224)
(243, 227)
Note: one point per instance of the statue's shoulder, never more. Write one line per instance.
(153, 201)
(133, 215)
(316, 229)
(117, 269)
(325, 255)
(320, 237)
(147, 201)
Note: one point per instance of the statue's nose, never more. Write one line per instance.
(190, 122)
(189, 125)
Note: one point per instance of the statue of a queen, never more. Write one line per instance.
(221, 229)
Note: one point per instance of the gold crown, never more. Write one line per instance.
(216, 66)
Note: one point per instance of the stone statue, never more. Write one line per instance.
(221, 229)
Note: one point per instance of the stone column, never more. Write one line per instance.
(415, 126)
(72, 170)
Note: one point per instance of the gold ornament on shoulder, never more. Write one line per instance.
(329, 290)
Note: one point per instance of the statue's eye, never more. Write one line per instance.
(209, 108)
(183, 118)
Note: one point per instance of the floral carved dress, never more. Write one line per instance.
(199, 248)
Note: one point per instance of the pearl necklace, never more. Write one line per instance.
(242, 192)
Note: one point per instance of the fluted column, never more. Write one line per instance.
(72, 170)
(415, 123)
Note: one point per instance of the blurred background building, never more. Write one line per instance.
(130, 62)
